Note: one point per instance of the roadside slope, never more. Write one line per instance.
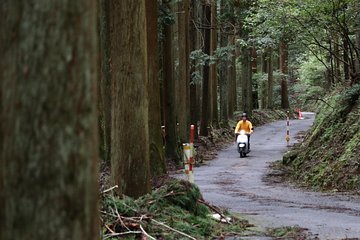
(329, 158)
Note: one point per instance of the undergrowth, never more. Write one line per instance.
(329, 158)
(177, 205)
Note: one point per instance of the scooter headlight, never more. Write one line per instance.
(241, 145)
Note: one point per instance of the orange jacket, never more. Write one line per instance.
(246, 126)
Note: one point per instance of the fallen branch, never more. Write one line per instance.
(120, 219)
(215, 210)
(110, 230)
(121, 234)
(172, 229)
(146, 234)
(110, 189)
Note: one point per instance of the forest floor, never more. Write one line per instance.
(247, 186)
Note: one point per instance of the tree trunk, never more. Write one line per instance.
(49, 121)
(270, 85)
(214, 116)
(255, 96)
(171, 148)
(246, 73)
(284, 56)
(130, 123)
(206, 70)
(356, 77)
(194, 45)
(223, 84)
(346, 60)
(263, 84)
(183, 89)
(231, 73)
(337, 69)
(105, 83)
(157, 158)
(223, 78)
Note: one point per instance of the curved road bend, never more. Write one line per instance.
(237, 184)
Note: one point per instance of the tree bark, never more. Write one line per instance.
(356, 77)
(105, 82)
(256, 91)
(214, 115)
(206, 70)
(223, 78)
(270, 85)
(157, 157)
(231, 73)
(284, 56)
(183, 89)
(171, 148)
(263, 84)
(246, 73)
(194, 45)
(49, 122)
(130, 122)
(346, 60)
(337, 69)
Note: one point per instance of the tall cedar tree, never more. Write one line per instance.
(48, 114)
(246, 75)
(169, 92)
(223, 78)
(129, 81)
(206, 71)
(194, 45)
(105, 83)
(213, 112)
(183, 73)
(157, 157)
(270, 82)
(284, 57)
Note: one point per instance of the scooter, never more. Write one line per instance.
(242, 144)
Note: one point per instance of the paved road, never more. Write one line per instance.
(237, 184)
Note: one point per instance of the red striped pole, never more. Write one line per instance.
(191, 159)
(288, 129)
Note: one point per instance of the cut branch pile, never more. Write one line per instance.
(174, 211)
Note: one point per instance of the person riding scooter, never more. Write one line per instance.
(246, 125)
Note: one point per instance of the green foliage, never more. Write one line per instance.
(177, 205)
(200, 59)
(311, 81)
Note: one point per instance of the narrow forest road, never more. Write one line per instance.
(237, 184)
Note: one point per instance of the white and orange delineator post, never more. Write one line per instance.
(188, 156)
(288, 129)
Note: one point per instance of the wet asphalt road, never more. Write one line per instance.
(237, 184)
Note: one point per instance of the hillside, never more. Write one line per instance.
(329, 157)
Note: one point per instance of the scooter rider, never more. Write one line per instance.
(246, 125)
